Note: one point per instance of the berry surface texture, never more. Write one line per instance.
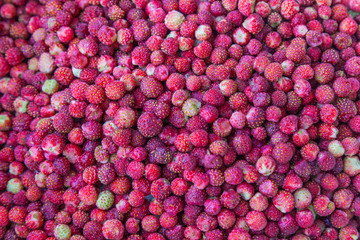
(179, 119)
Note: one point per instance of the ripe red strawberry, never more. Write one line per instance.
(95, 94)
(187, 6)
(63, 75)
(92, 231)
(63, 123)
(88, 195)
(203, 50)
(141, 30)
(106, 173)
(151, 87)
(78, 89)
(295, 52)
(214, 97)
(80, 218)
(149, 125)
(246, 7)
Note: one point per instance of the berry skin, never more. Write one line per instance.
(326, 161)
(140, 56)
(175, 82)
(242, 144)
(324, 72)
(346, 109)
(95, 94)
(258, 202)
(203, 50)
(14, 56)
(182, 143)
(63, 123)
(106, 174)
(273, 72)
(284, 201)
(354, 124)
(120, 185)
(34, 220)
(115, 90)
(191, 119)
(91, 130)
(150, 223)
(213, 97)
(283, 152)
(295, 52)
(124, 36)
(206, 222)
(125, 118)
(265, 165)
(203, 32)
(160, 188)
(4, 217)
(140, 30)
(323, 206)
(246, 7)
(170, 46)
(288, 124)
(149, 125)
(187, 6)
(256, 220)
(90, 175)
(78, 89)
(92, 230)
(255, 117)
(88, 195)
(63, 75)
(62, 232)
(151, 87)
(351, 146)
(113, 229)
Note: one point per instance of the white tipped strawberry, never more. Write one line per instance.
(241, 36)
(336, 148)
(173, 20)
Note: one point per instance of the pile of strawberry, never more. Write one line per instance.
(179, 119)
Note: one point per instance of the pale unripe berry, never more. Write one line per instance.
(14, 185)
(352, 166)
(62, 232)
(336, 148)
(105, 200)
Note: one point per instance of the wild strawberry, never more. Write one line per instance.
(113, 229)
(203, 50)
(246, 7)
(213, 97)
(173, 20)
(253, 23)
(92, 230)
(4, 216)
(346, 109)
(88, 195)
(151, 87)
(352, 65)
(34, 220)
(187, 6)
(149, 125)
(170, 46)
